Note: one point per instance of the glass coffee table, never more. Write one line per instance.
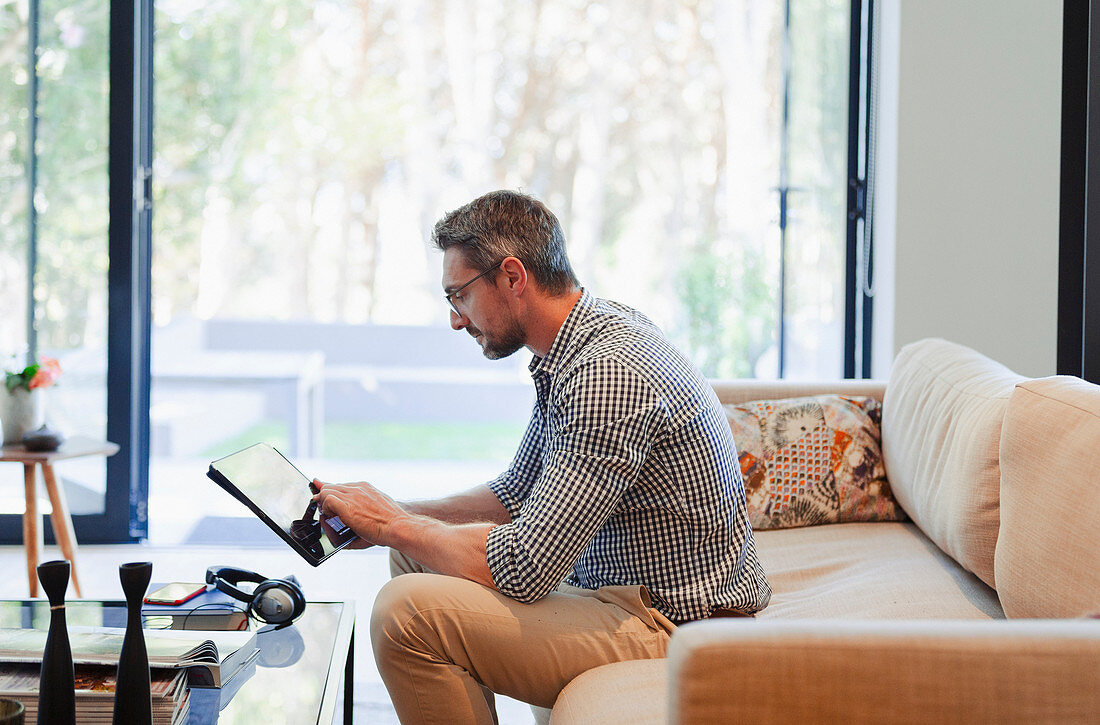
(303, 674)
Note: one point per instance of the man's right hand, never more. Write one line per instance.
(367, 511)
(358, 543)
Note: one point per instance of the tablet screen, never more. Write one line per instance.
(271, 483)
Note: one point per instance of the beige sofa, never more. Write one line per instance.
(976, 610)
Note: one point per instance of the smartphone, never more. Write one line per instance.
(175, 593)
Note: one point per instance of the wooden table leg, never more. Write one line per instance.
(62, 522)
(32, 530)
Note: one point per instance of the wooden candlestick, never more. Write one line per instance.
(133, 701)
(56, 683)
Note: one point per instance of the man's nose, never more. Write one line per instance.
(458, 321)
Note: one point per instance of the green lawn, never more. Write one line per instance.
(393, 441)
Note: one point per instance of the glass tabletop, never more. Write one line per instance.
(296, 678)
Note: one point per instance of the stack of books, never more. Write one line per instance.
(95, 692)
(208, 657)
(178, 660)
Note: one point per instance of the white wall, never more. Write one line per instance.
(968, 176)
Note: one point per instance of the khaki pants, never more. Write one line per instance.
(438, 639)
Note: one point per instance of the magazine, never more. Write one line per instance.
(95, 692)
(209, 657)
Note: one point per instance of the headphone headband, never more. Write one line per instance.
(275, 601)
(226, 578)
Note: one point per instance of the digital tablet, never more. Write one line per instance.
(282, 497)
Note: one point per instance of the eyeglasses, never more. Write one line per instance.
(452, 299)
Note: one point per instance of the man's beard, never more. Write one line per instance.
(508, 342)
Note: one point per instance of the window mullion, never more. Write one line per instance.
(33, 15)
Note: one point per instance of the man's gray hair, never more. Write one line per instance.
(509, 224)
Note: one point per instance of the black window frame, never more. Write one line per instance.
(1079, 216)
(859, 273)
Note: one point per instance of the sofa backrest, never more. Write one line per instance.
(736, 392)
(941, 434)
(1048, 552)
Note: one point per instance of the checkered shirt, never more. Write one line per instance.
(627, 475)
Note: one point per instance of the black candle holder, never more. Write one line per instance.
(133, 701)
(56, 683)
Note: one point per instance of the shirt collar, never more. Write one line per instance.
(573, 321)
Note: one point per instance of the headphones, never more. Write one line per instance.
(273, 601)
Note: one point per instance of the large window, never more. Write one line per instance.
(304, 150)
(60, 242)
(694, 152)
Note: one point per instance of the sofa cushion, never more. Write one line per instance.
(873, 571)
(629, 693)
(941, 433)
(812, 460)
(1048, 551)
(846, 571)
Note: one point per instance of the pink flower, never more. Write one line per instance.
(49, 370)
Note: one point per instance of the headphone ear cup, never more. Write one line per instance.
(277, 601)
(297, 594)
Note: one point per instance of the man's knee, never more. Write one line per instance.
(397, 608)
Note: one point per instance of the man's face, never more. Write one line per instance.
(480, 308)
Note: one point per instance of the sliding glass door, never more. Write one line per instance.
(68, 285)
(53, 247)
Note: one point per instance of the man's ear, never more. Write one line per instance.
(515, 275)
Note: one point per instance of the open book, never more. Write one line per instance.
(209, 657)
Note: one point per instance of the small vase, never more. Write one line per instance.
(56, 684)
(21, 411)
(133, 701)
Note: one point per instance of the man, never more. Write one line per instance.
(626, 487)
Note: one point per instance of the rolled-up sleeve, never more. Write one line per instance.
(513, 486)
(504, 487)
(603, 421)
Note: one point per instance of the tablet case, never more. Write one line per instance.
(220, 479)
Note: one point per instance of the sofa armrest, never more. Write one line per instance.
(761, 671)
(734, 392)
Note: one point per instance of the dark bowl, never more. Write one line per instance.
(42, 440)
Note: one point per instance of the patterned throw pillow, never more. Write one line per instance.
(815, 460)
